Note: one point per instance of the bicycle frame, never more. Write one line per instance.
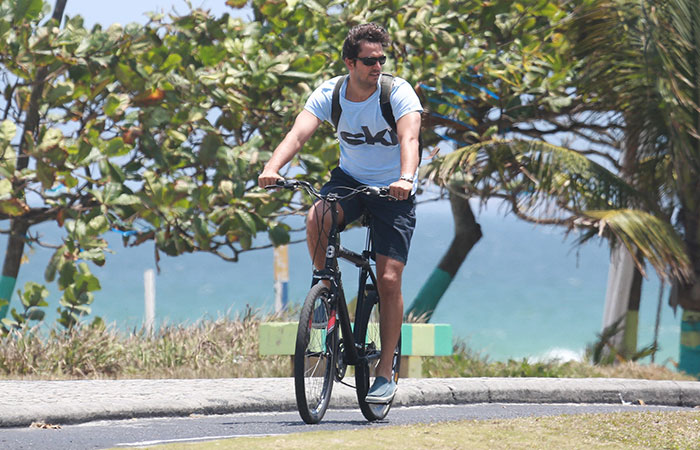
(331, 273)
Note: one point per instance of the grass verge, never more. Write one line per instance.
(669, 430)
(228, 347)
(222, 348)
(467, 363)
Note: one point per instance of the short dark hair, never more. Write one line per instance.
(370, 32)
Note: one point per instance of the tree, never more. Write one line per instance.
(502, 74)
(660, 104)
(155, 131)
(643, 86)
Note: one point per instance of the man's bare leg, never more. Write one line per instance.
(389, 274)
(318, 224)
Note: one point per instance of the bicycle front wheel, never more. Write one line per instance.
(315, 353)
(367, 324)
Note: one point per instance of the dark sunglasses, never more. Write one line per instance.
(372, 60)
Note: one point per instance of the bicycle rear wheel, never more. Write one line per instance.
(315, 353)
(367, 324)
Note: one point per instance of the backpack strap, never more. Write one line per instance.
(387, 83)
(335, 102)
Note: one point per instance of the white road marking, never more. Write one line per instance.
(192, 439)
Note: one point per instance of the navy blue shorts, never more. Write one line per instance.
(392, 222)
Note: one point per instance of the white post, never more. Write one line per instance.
(281, 263)
(149, 282)
(620, 277)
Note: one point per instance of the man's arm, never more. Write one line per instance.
(304, 126)
(408, 129)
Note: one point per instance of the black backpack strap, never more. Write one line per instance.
(335, 102)
(387, 83)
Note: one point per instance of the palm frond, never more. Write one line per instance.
(675, 40)
(535, 175)
(621, 69)
(545, 183)
(657, 240)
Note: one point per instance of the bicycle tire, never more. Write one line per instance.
(314, 355)
(367, 324)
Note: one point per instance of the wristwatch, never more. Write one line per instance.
(408, 178)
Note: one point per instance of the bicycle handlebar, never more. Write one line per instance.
(372, 191)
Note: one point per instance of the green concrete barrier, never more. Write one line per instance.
(690, 343)
(417, 340)
(7, 285)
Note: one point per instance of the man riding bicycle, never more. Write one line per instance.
(372, 154)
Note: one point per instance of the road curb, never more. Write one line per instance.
(553, 390)
(63, 402)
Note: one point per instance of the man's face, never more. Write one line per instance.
(363, 74)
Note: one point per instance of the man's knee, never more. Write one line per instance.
(390, 272)
(390, 279)
(319, 216)
(313, 219)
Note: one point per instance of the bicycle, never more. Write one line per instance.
(322, 355)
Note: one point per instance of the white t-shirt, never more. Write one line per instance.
(369, 149)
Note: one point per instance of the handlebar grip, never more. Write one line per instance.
(283, 183)
(378, 191)
(288, 184)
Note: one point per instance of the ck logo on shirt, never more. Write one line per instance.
(366, 137)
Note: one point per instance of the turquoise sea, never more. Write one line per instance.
(524, 291)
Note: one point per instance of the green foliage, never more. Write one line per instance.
(487, 68)
(77, 286)
(33, 299)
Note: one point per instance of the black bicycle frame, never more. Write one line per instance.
(331, 273)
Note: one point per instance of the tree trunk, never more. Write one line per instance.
(19, 225)
(629, 341)
(13, 259)
(620, 275)
(689, 298)
(623, 294)
(467, 234)
(689, 217)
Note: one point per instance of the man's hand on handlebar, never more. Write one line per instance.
(268, 178)
(400, 189)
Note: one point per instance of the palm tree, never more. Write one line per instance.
(640, 74)
(655, 85)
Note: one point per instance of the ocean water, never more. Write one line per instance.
(523, 291)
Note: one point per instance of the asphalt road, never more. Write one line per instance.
(153, 431)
